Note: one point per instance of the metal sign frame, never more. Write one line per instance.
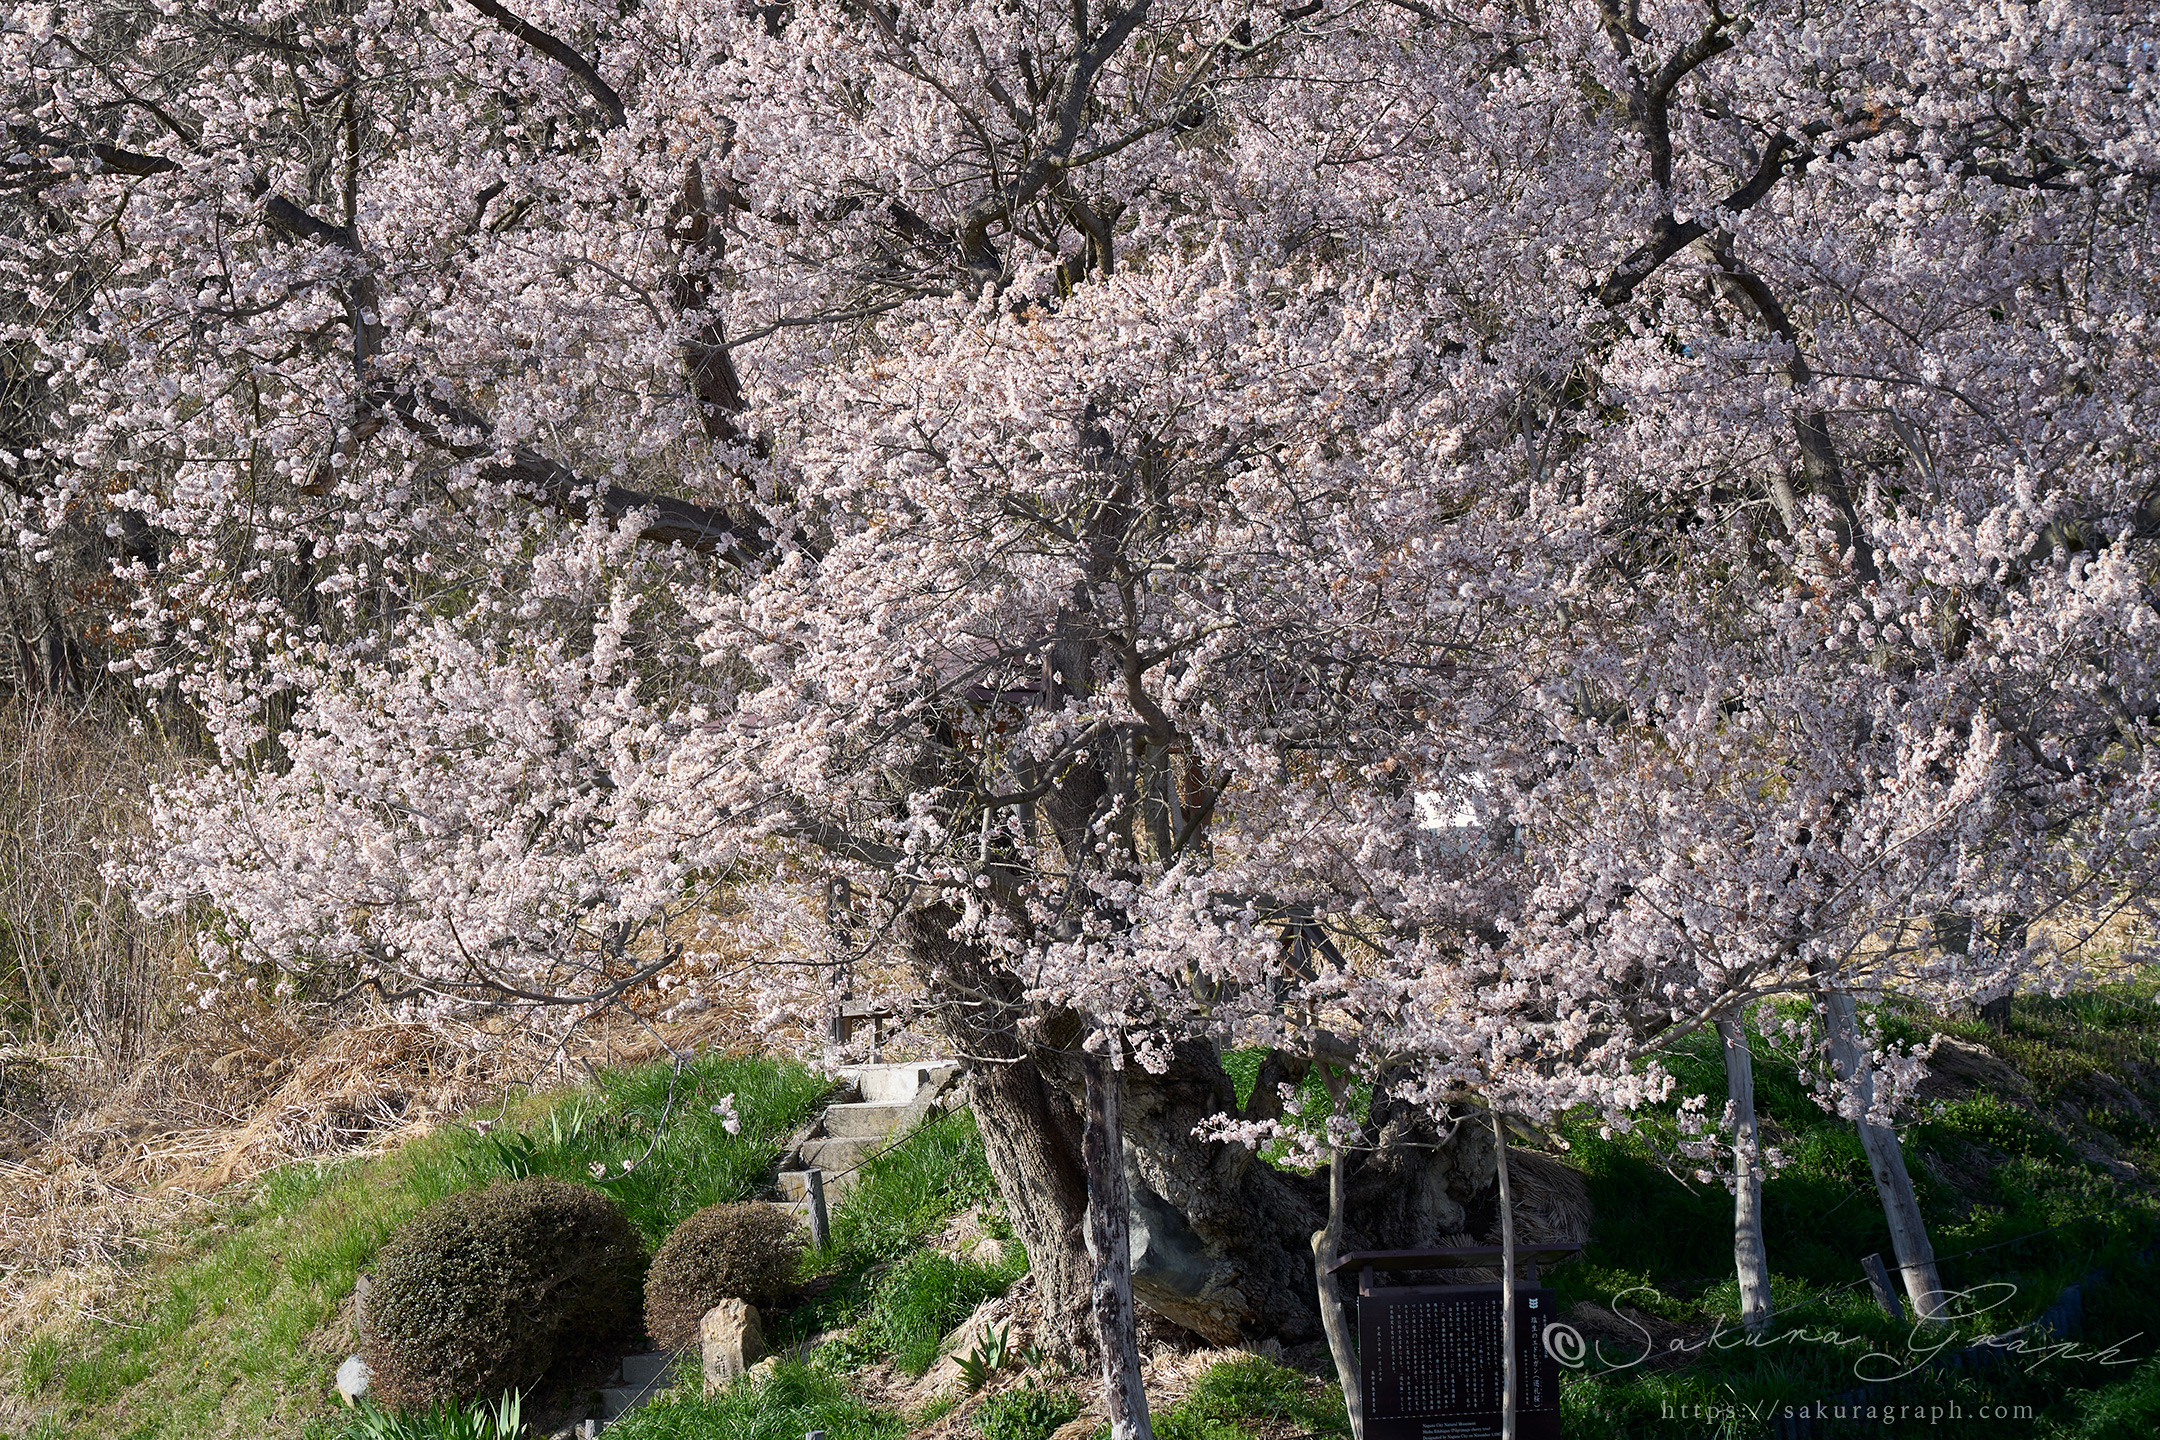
(1429, 1355)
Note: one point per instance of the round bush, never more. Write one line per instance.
(723, 1252)
(488, 1290)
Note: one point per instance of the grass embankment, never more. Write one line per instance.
(2030, 1172)
(2029, 1159)
(236, 1332)
(2029, 1156)
(880, 1292)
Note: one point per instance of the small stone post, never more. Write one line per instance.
(1878, 1279)
(820, 1227)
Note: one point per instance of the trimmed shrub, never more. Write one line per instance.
(723, 1252)
(488, 1290)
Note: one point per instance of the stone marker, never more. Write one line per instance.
(732, 1340)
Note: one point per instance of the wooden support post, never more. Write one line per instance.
(820, 1227)
(1878, 1279)
(1509, 1382)
(1886, 1158)
(1109, 1245)
(1750, 1258)
(1327, 1249)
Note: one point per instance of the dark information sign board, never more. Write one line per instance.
(1430, 1360)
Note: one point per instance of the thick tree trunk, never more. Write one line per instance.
(1030, 1138)
(1222, 1240)
(1030, 1129)
(1228, 1251)
(1886, 1158)
(1750, 1257)
(1109, 1244)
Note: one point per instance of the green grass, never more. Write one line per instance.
(498, 1419)
(667, 1127)
(1026, 1412)
(238, 1334)
(784, 1403)
(908, 1192)
(2007, 1202)
(895, 1297)
(921, 1299)
(1232, 1397)
(2126, 1410)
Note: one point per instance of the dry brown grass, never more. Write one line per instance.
(124, 1110)
(79, 965)
(228, 1095)
(118, 1165)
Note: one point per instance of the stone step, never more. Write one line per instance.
(617, 1401)
(833, 1154)
(900, 1083)
(654, 1367)
(795, 1192)
(870, 1117)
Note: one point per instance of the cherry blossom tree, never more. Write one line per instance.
(1496, 537)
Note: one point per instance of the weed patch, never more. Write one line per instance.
(1027, 1412)
(784, 1403)
(1240, 1396)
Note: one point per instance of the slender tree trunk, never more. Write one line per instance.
(1750, 1257)
(1886, 1158)
(1109, 1243)
(1327, 1249)
(1510, 1383)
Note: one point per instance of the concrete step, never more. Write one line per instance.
(902, 1082)
(839, 1152)
(795, 1192)
(617, 1401)
(654, 1367)
(871, 1117)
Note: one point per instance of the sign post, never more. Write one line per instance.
(1429, 1355)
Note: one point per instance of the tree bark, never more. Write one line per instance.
(1750, 1258)
(1886, 1158)
(1109, 1244)
(1030, 1129)
(1030, 1139)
